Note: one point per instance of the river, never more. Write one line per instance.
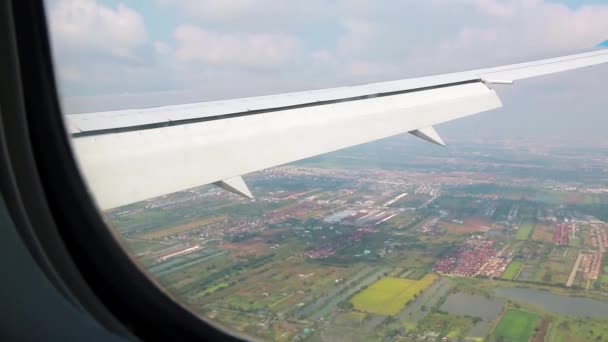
(560, 304)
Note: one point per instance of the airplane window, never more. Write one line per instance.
(254, 158)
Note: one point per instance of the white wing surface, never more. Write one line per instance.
(135, 154)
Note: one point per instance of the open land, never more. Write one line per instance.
(388, 296)
(516, 326)
(397, 242)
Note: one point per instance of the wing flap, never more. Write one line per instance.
(428, 134)
(235, 185)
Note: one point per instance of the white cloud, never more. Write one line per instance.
(221, 9)
(492, 8)
(161, 48)
(364, 69)
(197, 45)
(360, 34)
(228, 49)
(100, 48)
(528, 27)
(450, 35)
(266, 12)
(86, 27)
(323, 57)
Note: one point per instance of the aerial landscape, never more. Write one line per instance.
(397, 240)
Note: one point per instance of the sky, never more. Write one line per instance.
(124, 54)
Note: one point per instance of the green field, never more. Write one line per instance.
(516, 326)
(512, 270)
(524, 231)
(388, 296)
(417, 274)
(452, 326)
(570, 329)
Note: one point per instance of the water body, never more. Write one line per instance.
(413, 312)
(564, 305)
(475, 306)
(331, 304)
(324, 305)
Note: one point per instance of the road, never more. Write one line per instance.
(574, 270)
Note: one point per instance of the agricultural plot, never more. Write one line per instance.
(569, 329)
(452, 326)
(533, 265)
(512, 270)
(417, 274)
(543, 233)
(604, 278)
(464, 228)
(349, 319)
(388, 296)
(325, 305)
(162, 233)
(524, 231)
(554, 269)
(404, 219)
(482, 224)
(185, 261)
(145, 247)
(516, 326)
(418, 309)
(542, 330)
(272, 287)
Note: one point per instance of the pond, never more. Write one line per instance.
(488, 309)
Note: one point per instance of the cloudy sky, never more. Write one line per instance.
(119, 54)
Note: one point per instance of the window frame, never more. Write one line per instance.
(48, 198)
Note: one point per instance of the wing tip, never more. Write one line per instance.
(603, 44)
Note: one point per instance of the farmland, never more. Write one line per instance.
(568, 330)
(516, 326)
(524, 231)
(447, 325)
(464, 228)
(159, 234)
(395, 254)
(543, 233)
(512, 271)
(388, 296)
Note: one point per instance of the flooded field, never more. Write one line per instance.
(416, 311)
(564, 305)
(475, 306)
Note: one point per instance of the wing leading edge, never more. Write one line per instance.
(132, 155)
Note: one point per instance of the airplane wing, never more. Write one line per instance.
(135, 154)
